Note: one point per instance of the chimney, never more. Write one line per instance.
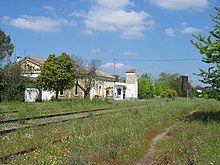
(18, 58)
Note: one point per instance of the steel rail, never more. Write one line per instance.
(90, 114)
(31, 149)
(8, 130)
(52, 115)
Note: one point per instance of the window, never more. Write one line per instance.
(76, 90)
(119, 91)
(107, 92)
(68, 93)
(61, 92)
(100, 90)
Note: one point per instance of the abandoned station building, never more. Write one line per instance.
(104, 87)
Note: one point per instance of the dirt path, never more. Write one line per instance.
(146, 160)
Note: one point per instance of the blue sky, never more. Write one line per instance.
(134, 30)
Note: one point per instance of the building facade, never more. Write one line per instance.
(103, 84)
(129, 89)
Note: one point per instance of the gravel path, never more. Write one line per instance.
(146, 160)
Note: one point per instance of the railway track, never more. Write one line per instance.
(51, 115)
(26, 151)
(56, 118)
(31, 149)
(75, 115)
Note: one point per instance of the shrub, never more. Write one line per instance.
(170, 93)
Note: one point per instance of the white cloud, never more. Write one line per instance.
(170, 32)
(95, 50)
(183, 29)
(114, 4)
(5, 19)
(111, 65)
(181, 4)
(190, 30)
(111, 16)
(49, 8)
(37, 23)
(88, 32)
(78, 14)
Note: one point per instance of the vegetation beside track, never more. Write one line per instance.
(11, 110)
(116, 138)
(195, 141)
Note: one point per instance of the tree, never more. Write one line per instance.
(12, 83)
(57, 73)
(88, 75)
(117, 78)
(171, 81)
(6, 47)
(160, 87)
(145, 86)
(210, 47)
(170, 93)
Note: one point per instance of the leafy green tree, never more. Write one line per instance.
(170, 93)
(57, 73)
(145, 86)
(210, 47)
(12, 83)
(117, 78)
(6, 47)
(160, 87)
(171, 81)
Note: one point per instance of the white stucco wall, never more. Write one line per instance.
(131, 91)
(131, 84)
(47, 95)
(31, 95)
(33, 74)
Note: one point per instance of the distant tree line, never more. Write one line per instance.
(170, 84)
(167, 85)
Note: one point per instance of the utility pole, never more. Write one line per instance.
(25, 53)
(114, 67)
(114, 81)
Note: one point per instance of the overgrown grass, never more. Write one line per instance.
(122, 137)
(194, 141)
(20, 109)
(11, 110)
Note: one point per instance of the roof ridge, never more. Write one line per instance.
(36, 57)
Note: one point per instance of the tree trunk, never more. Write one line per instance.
(87, 95)
(85, 90)
(57, 94)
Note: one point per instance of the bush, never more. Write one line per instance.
(170, 93)
(12, 84)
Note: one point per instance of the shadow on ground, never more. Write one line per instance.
(204, 116)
